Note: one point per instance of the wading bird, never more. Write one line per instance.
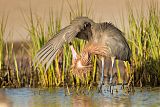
(103, 35)
(81, 63)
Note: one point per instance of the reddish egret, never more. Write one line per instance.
(81, 63)
(104, 34)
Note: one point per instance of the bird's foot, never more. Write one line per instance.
(100, 87)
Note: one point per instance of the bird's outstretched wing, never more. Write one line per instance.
(48, 52)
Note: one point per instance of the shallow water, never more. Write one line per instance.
(34, 97)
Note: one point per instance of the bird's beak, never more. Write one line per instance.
(74, 53)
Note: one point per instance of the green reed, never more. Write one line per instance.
(3, 23)
(57, 74)
(144, 39)
(8, 62)
(37, 32)
(144, 35)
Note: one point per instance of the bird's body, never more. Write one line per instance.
(110, 41)
(108, 35)
(83, 64)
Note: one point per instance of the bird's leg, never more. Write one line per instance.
(102, 76)
(111, 77)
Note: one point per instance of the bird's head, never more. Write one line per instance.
(81, 64)
(82, 21)
(84, 26)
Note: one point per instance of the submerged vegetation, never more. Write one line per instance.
(18, 70)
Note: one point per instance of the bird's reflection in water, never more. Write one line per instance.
(82, 101)
(100, 101)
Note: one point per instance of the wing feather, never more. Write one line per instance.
(48, 52)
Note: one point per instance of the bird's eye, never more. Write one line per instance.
(86, 24)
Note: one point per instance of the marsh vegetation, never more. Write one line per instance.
(16, 61)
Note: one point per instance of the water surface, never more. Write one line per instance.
(34, 97)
